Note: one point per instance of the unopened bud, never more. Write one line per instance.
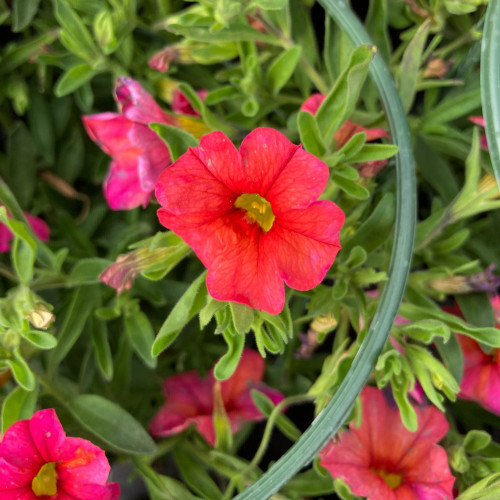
(10, 339)
(41, 318)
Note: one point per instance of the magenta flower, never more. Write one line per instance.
(180, 103)
(382, 460)
(346, 131)
(481, 378)
(38, 461)
(252, 217)
(479, 120)
(190, 399)
(40, 228)
(138, 154)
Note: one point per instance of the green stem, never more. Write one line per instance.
(443, 222)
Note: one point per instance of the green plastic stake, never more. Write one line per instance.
(339, 407)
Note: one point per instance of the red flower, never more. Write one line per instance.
(481, 378)
(37, 460)
(479, 120)
(180, 103)
(252, 217)
(139, 155)
(382, 460)
(346, 131)
(39, 227)
(190, 399)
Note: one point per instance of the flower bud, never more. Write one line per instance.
(41, 317)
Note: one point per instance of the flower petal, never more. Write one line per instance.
(17, 448)
(25, 493)
(47, 433)
(299, 183)
(14, 478)
(39, 226)
(110, 132)
(265, 153)
(305, 243)
(121, 184)
(136, 104)
(312, 103)
(78, 491)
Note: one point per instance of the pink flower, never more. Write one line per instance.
(190, 399)
(479, 120)
(382, 460)
(252, 217)
(481, 378)
(37, 460)
(39, 227)
(180, 103)
(346, 131)
(138, 154)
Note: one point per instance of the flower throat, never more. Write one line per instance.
(258, 209)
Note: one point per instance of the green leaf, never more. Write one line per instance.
(310, 484)
(76, 313)
(266, 407)
(490, 82)
(23, 258)
(222, 94)
(372, 152)
(18, 405)
(141, 336)
(102, 350)
(268, 4)
(195, 476)
(111, 423)
(177, 140)
(75, 30)
(476, 307)
(42, 340)
(351, 188)
(476, 440)
(451, 354)
(341, 100)
(243, 317)
(408, 413)
(74, 78)
(410, 64)
(87, 271)
(226, 365)
(453, 107)
(208, 311)
(426, 330)
(23, 11)
(21, 371)
(310, 136)
(282, 68)
(188, 305)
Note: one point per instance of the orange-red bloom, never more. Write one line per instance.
(190, 399)
(382, 460)
(252, 217)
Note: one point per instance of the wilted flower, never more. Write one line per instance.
(37, 460)
(346, 131)
(382, 459)
(252, 217)
(190, 399)
(437, 68)
(481, 377)
(484, 281)
(181, 104)
(139, 155)
(40, 228)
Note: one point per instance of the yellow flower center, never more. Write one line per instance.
(258, 209)
(392, 480)
(45, 482)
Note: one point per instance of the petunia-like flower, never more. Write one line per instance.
(481, 377)
(40, 228)
(38, 461)
(252, 217)
(138, 154)
(479, 120)
(190, 399)
(346, 131)
(181, 104)
(382, 460)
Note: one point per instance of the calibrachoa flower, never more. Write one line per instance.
(382, 460)
(481, 377)
(479, 120)
(139, 155)
(39, 227)
(190, 399)
(37, 461)
(346, 131)
(252, 217)
(181, 104)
